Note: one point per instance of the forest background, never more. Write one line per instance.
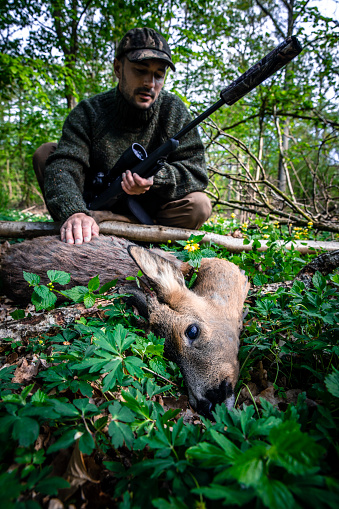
(275, 151)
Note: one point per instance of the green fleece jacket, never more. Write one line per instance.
(100, 129)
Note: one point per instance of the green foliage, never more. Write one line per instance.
(262, 267)
(44, 297)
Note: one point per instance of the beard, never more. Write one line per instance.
(131, 94)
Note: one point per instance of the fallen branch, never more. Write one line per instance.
(157, 234)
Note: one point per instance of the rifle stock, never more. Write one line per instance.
(150, 165)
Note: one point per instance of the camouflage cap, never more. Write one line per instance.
(143, 44)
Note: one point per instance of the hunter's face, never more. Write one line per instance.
(140, 82)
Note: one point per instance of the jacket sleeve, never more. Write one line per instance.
(66, 167)
(185, 171)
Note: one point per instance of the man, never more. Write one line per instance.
(101, 128)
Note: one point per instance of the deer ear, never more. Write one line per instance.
(165, 278)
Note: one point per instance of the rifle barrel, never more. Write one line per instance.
(271, 63)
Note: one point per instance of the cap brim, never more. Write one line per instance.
(147, 54)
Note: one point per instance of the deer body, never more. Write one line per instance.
(201, 326)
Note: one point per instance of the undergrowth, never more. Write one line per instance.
(101, 389)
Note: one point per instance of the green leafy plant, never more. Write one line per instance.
(44, 296)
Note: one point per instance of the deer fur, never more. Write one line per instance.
(201, 326)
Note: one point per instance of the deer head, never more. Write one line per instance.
(201, 327)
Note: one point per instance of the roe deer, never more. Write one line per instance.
(201, 326)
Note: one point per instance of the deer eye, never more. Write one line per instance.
(192, 332)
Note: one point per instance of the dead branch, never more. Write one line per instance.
(156, 233)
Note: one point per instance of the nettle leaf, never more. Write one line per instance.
(59, 276)
(31, 278)
(107, 286)
(76, 294)
(256, 244)
(335, 279)
(260, 279)
(319, 281)
(89, 300)
(39, 397)
(159, 366)
(208, 253)
(43, 298)
(332, 383)
(93, 284)
(196, 238)
(297, 288)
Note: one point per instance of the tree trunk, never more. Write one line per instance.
(281, 170)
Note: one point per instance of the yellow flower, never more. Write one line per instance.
(264, 227)
(275, 222)
(232, 216)
(310, 224)
(191, 247)
(266, 236)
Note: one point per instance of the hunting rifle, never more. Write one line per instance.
(107, 188)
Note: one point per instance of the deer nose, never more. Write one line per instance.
(214, 397)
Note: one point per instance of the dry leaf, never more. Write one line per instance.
(76, 474)
(26, 371)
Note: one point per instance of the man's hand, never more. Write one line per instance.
(79, 228)
(134, 184)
